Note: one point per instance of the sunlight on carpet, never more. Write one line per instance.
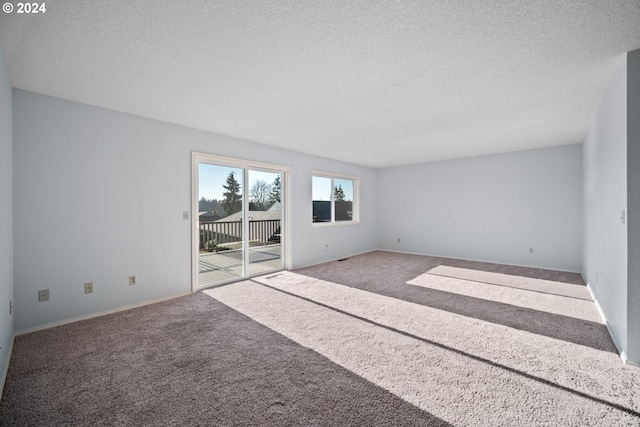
(458, 368)
(514, 290)
(520, 282)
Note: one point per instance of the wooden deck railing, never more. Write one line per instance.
(265, 231)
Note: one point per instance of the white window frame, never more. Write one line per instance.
(356, 199)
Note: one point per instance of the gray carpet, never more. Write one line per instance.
(389, 274)
(189, 361)
(378, 339)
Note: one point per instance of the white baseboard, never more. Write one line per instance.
(621, 352)
(478, 260)
(5, 371)
(333, 259)
(631, 363)
(100, 313)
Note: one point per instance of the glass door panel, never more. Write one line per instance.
(221, 256)
(264, 222)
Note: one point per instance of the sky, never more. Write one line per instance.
(322, 188)
(213, 177)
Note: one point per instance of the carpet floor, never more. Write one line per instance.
(377, 339)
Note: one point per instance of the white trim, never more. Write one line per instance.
(621, 352)
(245, 228)
(287, 250)
(287, 210)
(239, 163)
(593, 297)
(630, 363)
(100, 313)
(195, 211)
(477, 260)
(326, 174)
(334, 259)
(334, 224)
(6, 366)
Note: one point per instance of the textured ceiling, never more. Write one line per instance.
(376, 83)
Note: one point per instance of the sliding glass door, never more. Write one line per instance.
(238, 221)
(220, 213)
(264, 221)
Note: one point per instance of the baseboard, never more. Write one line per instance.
(593, 297)
(603, 316)
(332, 259)
(631, 363)
(479, 260)
(100, 313)
(5, 371)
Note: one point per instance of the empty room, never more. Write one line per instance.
(362, 213)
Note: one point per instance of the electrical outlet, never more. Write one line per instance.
(398, 240)
(326, 248)
(530, 250)
(185, 215)
(43, 295)
(132, 280)
(88, 288)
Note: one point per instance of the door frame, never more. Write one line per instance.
(285, 192)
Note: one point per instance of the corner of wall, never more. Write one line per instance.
(603, 316)
(633, 207)
(605, 246)
(5, 371)
(6, 220)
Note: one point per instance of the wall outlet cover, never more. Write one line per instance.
(43, 295)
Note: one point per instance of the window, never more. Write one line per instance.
(335, 198)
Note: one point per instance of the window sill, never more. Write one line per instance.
(334, 224)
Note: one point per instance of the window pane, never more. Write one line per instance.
(220, 190)
(264, 191)
(220, 224)
(321, 188)
(343, 194)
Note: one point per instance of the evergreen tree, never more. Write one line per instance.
(338, 194)
(210, 205)
(204, 205)
(276, 188)
(232, 202)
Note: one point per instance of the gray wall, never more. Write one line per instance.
(605, 196)
(99, 195)
(490, 208)
(633, 202)
(6, 218)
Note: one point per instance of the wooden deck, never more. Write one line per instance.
(227, 265)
